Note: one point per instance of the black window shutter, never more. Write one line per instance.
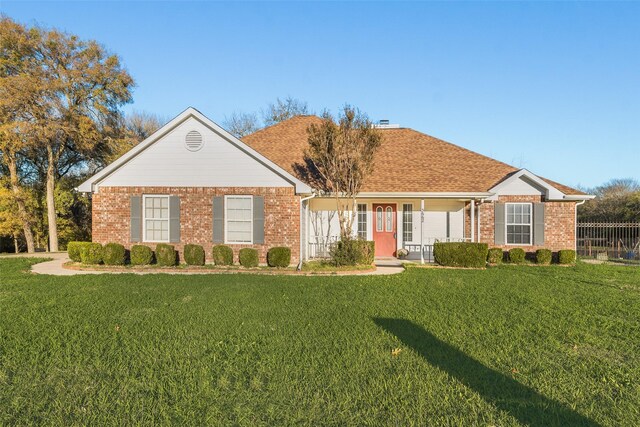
(499, 225)
(258, 220)
(218, 219)
(136, 219)
(174, 219)
(538, 224)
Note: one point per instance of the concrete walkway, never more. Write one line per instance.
(384, 266)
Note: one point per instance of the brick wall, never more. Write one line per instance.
(111, 216)
(559, 230)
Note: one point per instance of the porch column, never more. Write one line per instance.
(473, 219)
(479, 231)
(421, 230)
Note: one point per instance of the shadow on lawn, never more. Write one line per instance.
(522, 402)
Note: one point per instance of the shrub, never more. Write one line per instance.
(353, 252)
(496, 255)
(544, 256)
(194, 254)
(222, 255)
(114, 254)
(517, 255)
(141, 255)
(91, 253)
(566, 256)
(166, 255)
(279, 257)
(248, 257)
(74, 250)
(464, 254)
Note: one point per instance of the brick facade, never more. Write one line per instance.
(559, 218)
(111, 216)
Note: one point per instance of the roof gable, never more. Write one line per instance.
(164, 159)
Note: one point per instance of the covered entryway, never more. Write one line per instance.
(384, 228)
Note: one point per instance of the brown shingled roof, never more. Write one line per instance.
(407, 161)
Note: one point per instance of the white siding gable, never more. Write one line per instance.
(168, 163)
(521, 187)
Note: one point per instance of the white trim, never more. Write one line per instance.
(92, 184)
(144, 218)
(226, 218)
(506, 224)
(551, 192)
(431, 195)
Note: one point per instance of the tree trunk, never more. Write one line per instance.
(15, 243)
(22, 210)
(52, 218)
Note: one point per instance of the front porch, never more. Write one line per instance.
(413, 224)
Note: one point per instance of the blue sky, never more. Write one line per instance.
(553, 87)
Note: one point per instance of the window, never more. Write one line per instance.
(239, 219)
(518, 223)
(379, 218)
(362, 221)
(156, 218)
(389, 218)
(407, 222)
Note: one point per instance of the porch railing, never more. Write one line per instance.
(320, 247)
(427, 247)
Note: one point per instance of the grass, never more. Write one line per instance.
(504, 346)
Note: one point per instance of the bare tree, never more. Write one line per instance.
(141, 124)
(241, 124)
(284, 109)
(342, 156)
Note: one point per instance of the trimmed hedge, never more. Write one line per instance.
(92, 253)
(166, 255)
(74, 250)
(463, 254)
(279, 256)
(566, 256)
(141, 255)
(248, 257)
(353, 252)
(194, 254)
(517, 255)
(544, 256)
(114, 254)
(495, 256)
(222, 255)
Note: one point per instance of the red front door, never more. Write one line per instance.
(384, 229)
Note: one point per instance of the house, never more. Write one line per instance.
(193, 182)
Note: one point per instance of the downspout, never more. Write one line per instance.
(306, 227)
(575, 225)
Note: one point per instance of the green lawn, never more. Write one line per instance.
(505, 346)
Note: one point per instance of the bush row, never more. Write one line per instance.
(166, 256)
(541, 256)
(478, 254)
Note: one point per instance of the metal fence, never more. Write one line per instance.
(608, 240)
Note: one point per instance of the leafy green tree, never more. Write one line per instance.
(74, 90)
(616, 201)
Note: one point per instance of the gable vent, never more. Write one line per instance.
(193, 140)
